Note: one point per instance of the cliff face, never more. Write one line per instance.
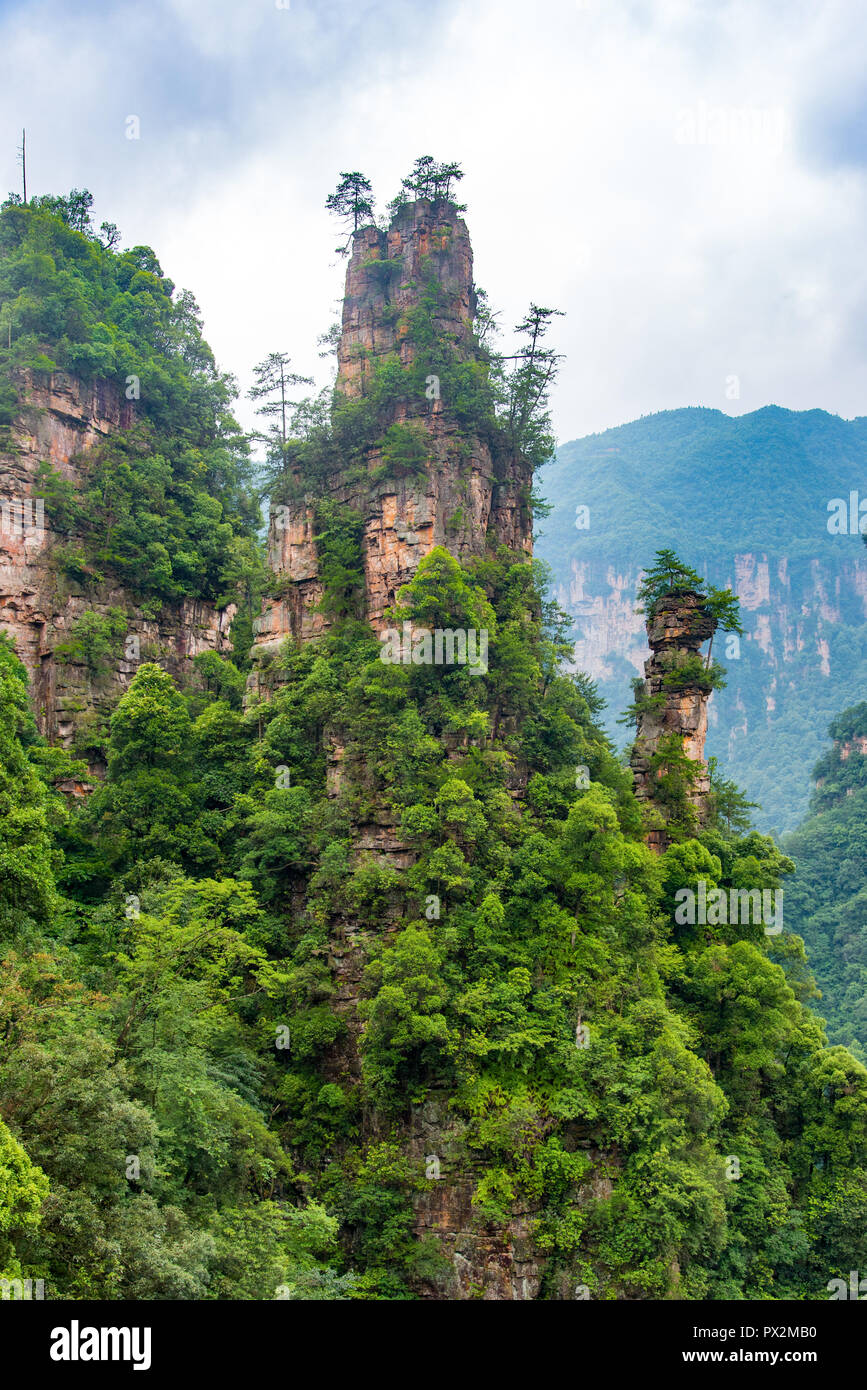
(789, 608)
(60, 419)
(464, 497)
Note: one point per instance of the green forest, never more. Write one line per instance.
(190, 1107)
(828, 894)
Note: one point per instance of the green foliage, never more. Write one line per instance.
(528, 387)
(29, 857)
(717, 488)
(23, 1189)
(95, 640)
(669, 577)
(827, 900)
(160, 503)
(377, 920)
(428, 179)
(352, 201)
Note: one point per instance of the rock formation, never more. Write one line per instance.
(465, 497)
(60, 419)
(676, 631)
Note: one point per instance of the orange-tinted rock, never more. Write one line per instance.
(676, 630)
(464, 500)
(60, 419)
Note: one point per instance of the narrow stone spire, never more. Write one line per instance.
(466, 493)
(676, 630)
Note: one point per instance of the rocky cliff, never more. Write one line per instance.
(60, 419)
(462, 496)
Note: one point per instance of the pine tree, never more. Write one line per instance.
(353, 202)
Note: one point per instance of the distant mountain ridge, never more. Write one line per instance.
(745, 500)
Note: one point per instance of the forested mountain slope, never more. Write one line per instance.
(362, 973)
(827, 898)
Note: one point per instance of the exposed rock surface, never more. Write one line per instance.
(794, 667)
(463, 498)
(61, 418)
(676, 631)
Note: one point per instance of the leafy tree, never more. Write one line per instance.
(29, 857)
(669, 577)
(428, 179)
(23, 1189)
(159, 504)
(730, 809)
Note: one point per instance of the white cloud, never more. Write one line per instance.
(679, 264)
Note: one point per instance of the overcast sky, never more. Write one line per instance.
(685, 178)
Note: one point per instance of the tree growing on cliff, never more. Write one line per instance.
(528, 387)
(353, 202)
(669, 577)
(428, 179)
(273, 381)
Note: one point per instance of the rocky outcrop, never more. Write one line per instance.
(678, 707)
(464, 497)
(60, 419)
(794, 667)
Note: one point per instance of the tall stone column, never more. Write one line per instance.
(466, 495)
(676, 631)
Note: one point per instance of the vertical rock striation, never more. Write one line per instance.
(61, 418)
(464, 496)
(676, 631)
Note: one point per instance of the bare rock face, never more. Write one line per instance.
(60, 419)
(383, 279)
(463, 497)
(676, 631)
